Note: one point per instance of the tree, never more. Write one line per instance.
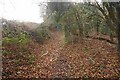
(56, 10)
(78, 19)
(111, 15)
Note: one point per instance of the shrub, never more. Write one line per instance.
(41, 34)
(20, 40)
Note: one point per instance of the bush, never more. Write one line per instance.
(23, 39)
(41, 34)
(71, 34)
(19, 40)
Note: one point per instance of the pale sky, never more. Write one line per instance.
(23, 10)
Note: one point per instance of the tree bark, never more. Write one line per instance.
(78, 20)
(79, 24)
(118, 37)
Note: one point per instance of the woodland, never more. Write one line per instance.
(76, 40)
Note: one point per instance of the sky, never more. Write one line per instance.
(22, 10)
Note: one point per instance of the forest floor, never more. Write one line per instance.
(54, 59)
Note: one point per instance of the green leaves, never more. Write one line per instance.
(6, 40)
(41, 33)
(22, 39)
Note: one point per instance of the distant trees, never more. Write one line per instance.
(56, 10)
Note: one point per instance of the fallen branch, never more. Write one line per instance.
(100, 38)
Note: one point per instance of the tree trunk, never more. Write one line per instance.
(118, 37)
(97, 28)
(79, 25)
(111, 37)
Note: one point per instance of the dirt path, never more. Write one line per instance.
(53, 59)
(58, 61)
(53, 63)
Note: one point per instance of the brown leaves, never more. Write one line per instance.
(91, 59)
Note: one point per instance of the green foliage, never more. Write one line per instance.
(6, 40)
(13, 37)
(23, 39)
(5, 52)
(41, 34)
(20, 40)
(69, 25)
(80, 19)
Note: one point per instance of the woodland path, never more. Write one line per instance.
(52, 59)
(57, 60)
